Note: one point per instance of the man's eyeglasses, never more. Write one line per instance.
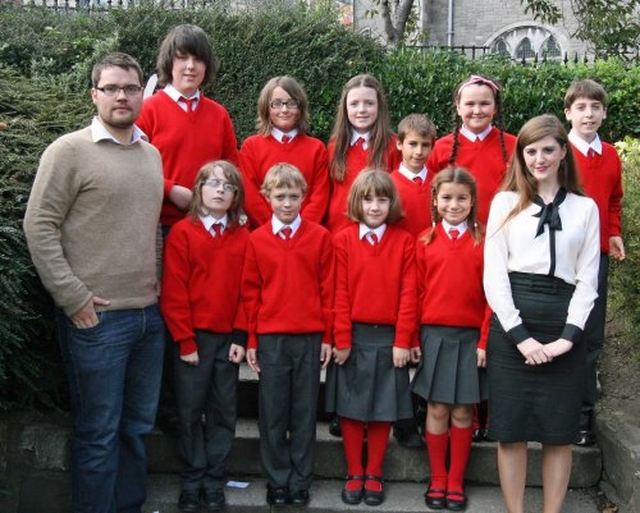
(226, 186)
(114, 90)
(290, 104)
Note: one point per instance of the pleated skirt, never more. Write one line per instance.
(448, 372)
(368, 387)
(535, 402)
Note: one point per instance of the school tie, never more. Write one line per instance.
(189, 102)
(591, 153)
(286, 139)
(373, 239)
(418, 180)
(454, 233)
(286, 231)
(359, 142)
(216, 229)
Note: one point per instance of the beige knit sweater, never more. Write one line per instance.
(91, 221)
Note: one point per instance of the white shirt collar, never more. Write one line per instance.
(406, 172)
(100, 133)
(279, 134)
(583, 146)
(355, 136)
(175, 95)
(472, 136)
(277, 225)
(208, 221)
(364, 230)
(462, 227)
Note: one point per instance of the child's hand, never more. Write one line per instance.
(325, 355)
(252, 360)
(180, 196)
(400, 357)
(481, 358)
(236, 353)
(340, 355)
(415, 355)
(616, 248)
(191, 358)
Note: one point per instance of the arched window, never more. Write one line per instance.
(525, 50)
(501, 48)
(551, 48)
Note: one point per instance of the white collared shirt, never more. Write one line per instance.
(462, 227)
(100, 133)
(406, 172)
(277, 225)
(583, 146)
(365, 231)
(279, 134)
(208, 221)
(472, 136)
(176, 96)
(355, 136)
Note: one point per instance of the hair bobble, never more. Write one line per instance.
(477, 79)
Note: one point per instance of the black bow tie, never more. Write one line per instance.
(549, 212)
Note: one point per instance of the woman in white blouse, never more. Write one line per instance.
(541, 267)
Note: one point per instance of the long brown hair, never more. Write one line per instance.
(341, 135)
(293, 89)
(231, 173)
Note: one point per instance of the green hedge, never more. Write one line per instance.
(46, 57)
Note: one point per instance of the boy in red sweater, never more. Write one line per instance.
(585, 106)
(287, 290)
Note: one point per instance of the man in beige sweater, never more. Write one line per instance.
(91, 227)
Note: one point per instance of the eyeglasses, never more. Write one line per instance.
(290, 104)
(114, 90)
(216, 183)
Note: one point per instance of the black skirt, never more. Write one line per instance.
(368, 387)
(535, 402)
(448, 372)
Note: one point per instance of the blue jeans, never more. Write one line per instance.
(114, 372)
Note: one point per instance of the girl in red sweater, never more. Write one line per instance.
(375, 324)
(452, 313)
(361, 138)
(200, 302)
(283, 126)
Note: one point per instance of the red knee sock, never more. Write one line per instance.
(437, 452)
(352, 439)
(459, 456)
(377, 440)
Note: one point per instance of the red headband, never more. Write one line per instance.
(477, 79)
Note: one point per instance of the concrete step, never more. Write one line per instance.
(163, 494)
(401, 464)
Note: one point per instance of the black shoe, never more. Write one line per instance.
(214, 500)
(585, 438)
(485, 435)
(277, 496)
(189, 501)
(408, 436)
(435, 498)
(373, 497)
(478, 435)
(456, 501)
(299, 498)
(353, 496)
(334, 427)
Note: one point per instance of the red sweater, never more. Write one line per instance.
(357, 160)
(308, 154)
(186, 141)
(450, 290)
(483, 159)
(287, 286)
(375, 284)
(601, 177)
(416, 203)
(201, 281)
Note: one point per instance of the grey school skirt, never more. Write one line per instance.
(535, 402)
(368, 387)
(448, 372)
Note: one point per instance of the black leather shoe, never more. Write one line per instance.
(299, 498)
(214, 500)
(456, 501)
(334, 427)
(408, 436)
(189, 501)
(585, 438)
(435, 498)
(277, 496)
(477, 435)
(353, 496)
(373, 497)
